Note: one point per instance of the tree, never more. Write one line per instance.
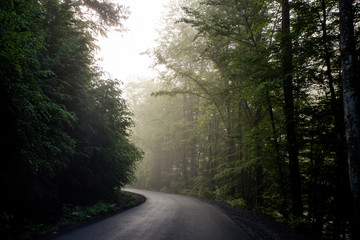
(63, 123)
(351, 91)
(287, 71)
(267, 117)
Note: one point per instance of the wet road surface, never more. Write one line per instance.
(163, 217)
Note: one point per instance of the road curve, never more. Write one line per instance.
(163, 216)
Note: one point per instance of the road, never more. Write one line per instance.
(163, 216)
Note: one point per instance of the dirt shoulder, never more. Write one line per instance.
(259, 226)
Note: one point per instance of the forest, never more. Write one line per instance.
(64, 138)
(248, 108)
(255, 103)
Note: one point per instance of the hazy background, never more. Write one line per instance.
(121, 51)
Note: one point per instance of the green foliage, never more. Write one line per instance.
(214, 123)
(73, 214)
(239, 202)
(76, 214)
(64, 137)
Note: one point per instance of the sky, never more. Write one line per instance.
(121, 52)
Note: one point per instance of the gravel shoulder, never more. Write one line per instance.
(258, 226)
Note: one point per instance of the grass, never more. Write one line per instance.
(73, 215)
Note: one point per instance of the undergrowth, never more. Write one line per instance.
(76, 214)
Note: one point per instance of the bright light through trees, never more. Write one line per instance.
(121, 53)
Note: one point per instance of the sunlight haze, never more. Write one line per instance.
(121, 52)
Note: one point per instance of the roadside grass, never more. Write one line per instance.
(73, 216)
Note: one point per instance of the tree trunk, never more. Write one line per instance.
(193, 142)
(351, 91)
(287, 69)
(240, 137)
(259, 174)
(341, 177)
(279, 162)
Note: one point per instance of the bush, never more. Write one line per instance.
(73, 214)
(239, 202)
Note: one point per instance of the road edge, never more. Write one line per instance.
(66, 229)
(257, 225)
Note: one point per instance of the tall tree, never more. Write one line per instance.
(63, 122)
(256, 130)
(288, 87)
(351, 92)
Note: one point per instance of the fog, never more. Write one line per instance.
(121, 52)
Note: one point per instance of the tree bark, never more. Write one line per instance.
(259, 175)
(341, 178)
(184, 146)
(351, 91)
(287, 69)
(279, 162)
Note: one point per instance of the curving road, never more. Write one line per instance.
(163, 216)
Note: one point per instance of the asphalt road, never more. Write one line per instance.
(163, 216)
